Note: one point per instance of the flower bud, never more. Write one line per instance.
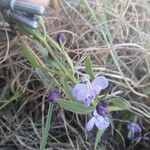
(61, 38)
(102, 109)
(54, 95)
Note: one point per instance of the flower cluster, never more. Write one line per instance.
(87, 92)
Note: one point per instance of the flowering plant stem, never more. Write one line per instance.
(46, 129)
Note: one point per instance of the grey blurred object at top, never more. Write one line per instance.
(22, 12)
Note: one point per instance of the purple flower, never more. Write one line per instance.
(102, 109)
(87, 92)
(54, 95)
(101, 122)
(61, 38)
(134, 127)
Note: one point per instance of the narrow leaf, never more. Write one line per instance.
(88, 66)
(90, 10)
(75, 107)
(30, 55)
(98, 138)
(114, 108)
(46, 129)
(121, 103)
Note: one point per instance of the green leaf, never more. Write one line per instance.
(98, 138)
(30, 55)
(55, 45)
(33, 58)
(28, 31)
(89, 69)
(67, 88)
(69, 60)
(120, 103)
(75, 107)
(47, 128)
(41, 49)
(114, 108)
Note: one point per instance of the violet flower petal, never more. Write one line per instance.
(95, 113)
(78, 88)
(100, 81)
(102, 122)
(81, 95)
(90, 124)
(88, 100)
(134, 127)
(95, 90)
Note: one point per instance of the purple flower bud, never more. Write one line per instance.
(134, 127)
(61, 38)
(102, 109)
(54, 95)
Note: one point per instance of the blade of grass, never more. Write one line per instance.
(106, 27)
(16, 95)
(91, 12)
(116, 61)
(62, 67)
(89, 69)
(55, 45)
(47, 128)
(68, 59)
